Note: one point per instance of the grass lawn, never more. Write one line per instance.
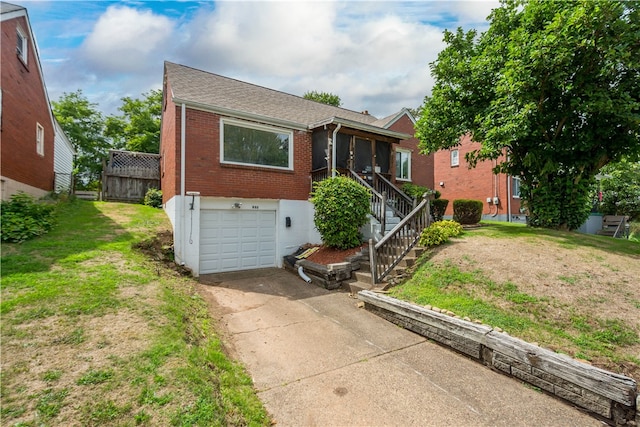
(573, 293)
(95, 333)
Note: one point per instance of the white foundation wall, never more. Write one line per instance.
(185, 220)
(302, 229)
(10, 187)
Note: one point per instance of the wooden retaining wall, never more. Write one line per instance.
(609, 396)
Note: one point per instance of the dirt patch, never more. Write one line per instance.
(160, 248)
(577, 282)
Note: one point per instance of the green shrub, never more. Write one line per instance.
(414, 191)
(23, 218)
(153, 198)
(438, 208)
(440, 232)
(467, 211)
(341, 208)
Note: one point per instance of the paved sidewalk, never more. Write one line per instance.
(318, 360)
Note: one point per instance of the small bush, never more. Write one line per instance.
(341, 208)
(23, 218)
(414, 191)
(153, 198)
(440, 232)
(438, 208)
(467, 211)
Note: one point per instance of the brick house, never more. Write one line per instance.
(411, 165)
(454, 179)
(27, 125)
(239, 160)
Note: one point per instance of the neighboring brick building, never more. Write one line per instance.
(411, 165)
(454, 179)
(27, 128)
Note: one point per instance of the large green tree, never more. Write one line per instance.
(84, 125)
(555, 86)
(323, 97)
(138, 127)
(620, 187)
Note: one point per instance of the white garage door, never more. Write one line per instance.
(232, 240)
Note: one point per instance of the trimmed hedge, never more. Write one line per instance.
(467, 211)
(438, 208)
(341, 208)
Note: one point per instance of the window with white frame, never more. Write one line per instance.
(515, 187)
(455, 158)
(246, 143)
(403, 165)
(39, 139)
(21, 45)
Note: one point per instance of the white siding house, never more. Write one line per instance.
(63, 153)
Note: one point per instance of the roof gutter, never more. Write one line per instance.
(243, 115)
(291, 124)
(361, 126)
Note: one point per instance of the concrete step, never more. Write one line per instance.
(407, 261)
(362, 276)
(355, 287)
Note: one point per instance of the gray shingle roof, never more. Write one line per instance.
(8, 7)
(218, 93)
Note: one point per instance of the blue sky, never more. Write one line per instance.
(373, 54)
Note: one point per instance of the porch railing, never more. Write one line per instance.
(397, 200)
(378, 201)
(390, 250)
(319, 175)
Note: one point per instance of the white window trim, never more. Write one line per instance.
(39, 139)
(513, 187)
(455, 162)
(23, 52)
(256, 126)
(408, 179)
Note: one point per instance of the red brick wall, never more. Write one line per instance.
(479, 183)
(24, 103)
(170, 148)
(205, 173)
(421, 165)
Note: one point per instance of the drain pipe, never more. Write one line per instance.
(304, 276)
(509, 195)
(334, 150)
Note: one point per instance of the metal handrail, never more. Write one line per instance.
(390, 250)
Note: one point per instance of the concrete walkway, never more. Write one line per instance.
(317, 359)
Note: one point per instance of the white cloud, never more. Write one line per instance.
(365, 53)
(374, 55)
(125, 40)
(474, 12)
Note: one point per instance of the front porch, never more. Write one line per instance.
(369, 159)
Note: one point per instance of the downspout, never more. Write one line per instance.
(496, 189)
(509, 196)
(334, 150)
(183, 133)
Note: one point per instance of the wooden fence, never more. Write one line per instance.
(127, 175)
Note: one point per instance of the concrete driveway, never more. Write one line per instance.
(318, 360)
